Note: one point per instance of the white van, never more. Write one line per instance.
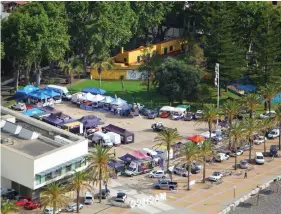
(115, 138)
(102, 138)
(88, 198)
(163, 152)
(154, 155)
(259, 158)
(62, 90)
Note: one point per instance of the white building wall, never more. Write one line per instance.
(17, 167)
(6, 183)
(60, 156)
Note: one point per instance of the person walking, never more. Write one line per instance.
(246, 174)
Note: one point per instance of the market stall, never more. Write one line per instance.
(94, 90)
(126, 136)
(40, 99)
(55, 95)
(106, 102)
(22, 93)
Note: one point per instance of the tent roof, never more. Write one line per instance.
(167, 108)
(128, 158)
(33, 111)
(50, 92)
(139, 155)
(38, 95)
(118, 130)
(184, 106)
(118, 101)
(28, 89)
(88, 96)
(49, 109)
(196, 138)
(75, 123)
(108, 99)
(94, 90)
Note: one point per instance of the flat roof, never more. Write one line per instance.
(30, 147)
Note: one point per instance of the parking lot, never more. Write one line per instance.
(203, 198)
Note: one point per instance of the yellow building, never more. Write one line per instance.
(126, 63)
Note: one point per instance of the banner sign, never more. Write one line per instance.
(136, 75)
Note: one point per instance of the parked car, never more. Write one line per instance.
(31, 205)
(236, 153)
(216, 176)
(19, 107)
(157, 174)
(164, 114)
(267, 114)
(273, 134)
(243, 164)
(72, 207)
(49, 210)
(198, 114)
(259, 158)
(8, 193)
(22, 201)
(121, 197)
(144, 111)
(152, 115)
(221, 157)
(188, 116)
(245, 147)
(104, 193)
(195, 169)
(181, 171)
(166, 184)
(273, 150)
(259, 139)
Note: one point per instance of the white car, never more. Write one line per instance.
(199, 114)
(121, 197)
(273, 133)
(49, 210)
(73, 207)
(19, 107)
(267, 114)
(236, 153)
(215, 176)
(243, 164)
(181, 171)
(221, 157)
(157, 174)
(259, 140)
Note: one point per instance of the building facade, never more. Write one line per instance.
(32, 157)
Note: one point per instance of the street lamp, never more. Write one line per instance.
(234, 188)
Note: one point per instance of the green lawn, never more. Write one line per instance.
(131, 88)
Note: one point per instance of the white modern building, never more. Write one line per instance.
(34, 153)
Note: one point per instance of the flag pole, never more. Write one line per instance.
(218, 102)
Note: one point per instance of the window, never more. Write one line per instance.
(274, 2)
(171, 48)
(165, 51)
(38, 179)
(125, 60)
(58, 172)
(68, 168)
(48, 176)
(77, 164)
(138, 59)
(182, 47)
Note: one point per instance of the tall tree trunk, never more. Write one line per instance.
(77, 199)
(168, 160)
(279, 141)
(269, 107)
(264, 146)
(251, 113)
(38, 75)
(188, 177)
(27, 73)
(265, 105)
(250, 152)
(204, 168)
(100, 178)
(235, 158)
(100, 79)
(54, 207)
(16, 79)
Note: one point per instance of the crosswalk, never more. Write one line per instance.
(157, 207)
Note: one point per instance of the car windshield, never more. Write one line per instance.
(216, 174)
(89, 198)
(259, 157)
(119, 195)
(131, 169)
(243, 162)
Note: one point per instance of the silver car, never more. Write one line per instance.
(243, 164)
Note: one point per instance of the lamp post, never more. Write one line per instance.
(234, 193)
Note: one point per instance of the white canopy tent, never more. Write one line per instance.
(167, 108)
(87, 97)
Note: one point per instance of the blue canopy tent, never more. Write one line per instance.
(26, 90)
(94, 91)
(33, 111)
(247, 88)
(50, 92)
(38, 95)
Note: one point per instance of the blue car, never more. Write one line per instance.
(152, 115)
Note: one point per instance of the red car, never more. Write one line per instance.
(22, 201)
(31, 205)
(164, 114)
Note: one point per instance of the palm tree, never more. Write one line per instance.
(209, 116)
(230, 109)
(251, 101)
(73, 65)
(100, 64)
(269, 92)
(8, 207)
(190, 152)
(168, 138)
(278, 120)
(251, 126)
(54, 195)
(264, 126)
(236, 133)
(122, 81)
(98, 159)
(206, 150)
(80, 181)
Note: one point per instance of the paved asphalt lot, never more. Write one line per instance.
(198, 199)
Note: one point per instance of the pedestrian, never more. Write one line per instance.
(245, 175)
